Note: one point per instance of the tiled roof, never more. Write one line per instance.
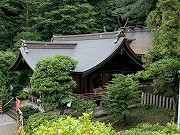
(90, 50)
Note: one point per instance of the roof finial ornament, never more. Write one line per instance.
(25, 48)
(120, 34)
(24, 45)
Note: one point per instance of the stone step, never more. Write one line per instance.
(12, 113)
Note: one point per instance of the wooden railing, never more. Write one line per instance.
(157, 100)
(1, 107)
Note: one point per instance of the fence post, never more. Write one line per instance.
(163, 103)
(142, 98)
(154, 99)
(151, 99)
(157, 100)
(167, 102)
(160, 101)
(147, 98)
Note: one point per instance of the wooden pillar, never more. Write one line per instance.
(105, 78)
(91, 85)
(82, 88)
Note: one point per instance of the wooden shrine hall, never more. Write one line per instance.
(99, 55)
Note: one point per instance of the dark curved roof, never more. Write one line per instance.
(90, 50)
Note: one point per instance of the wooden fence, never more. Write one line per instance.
(160, 101)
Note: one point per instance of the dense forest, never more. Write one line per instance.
(40, 19)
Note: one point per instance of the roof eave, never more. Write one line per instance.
(104, 61)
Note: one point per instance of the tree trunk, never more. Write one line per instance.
(175, 104)
(125, 118)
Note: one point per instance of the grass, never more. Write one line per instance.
(146, 114)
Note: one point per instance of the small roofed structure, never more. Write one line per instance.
(99, 55)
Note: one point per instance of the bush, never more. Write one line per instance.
(83, 105)
(5, 96)
(22, 95)
(67, 125)
(28, 111)
(147, 129)
(37, 119)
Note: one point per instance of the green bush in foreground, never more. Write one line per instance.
(147, 129)
(28, 111)
(67, 125)
(83, 105)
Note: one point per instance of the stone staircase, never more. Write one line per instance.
(12, 113)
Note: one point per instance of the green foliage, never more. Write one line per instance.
(35, 120)
(52, 81)
(123, 91)
(48, 17)
(7, 77)
(22, 95)
(167, 77)
(134, 10)
(164, 24)
(157, 129)
(162, 62)
(4, 94)
(104, 16)
(15, 17)
(83, 105)
(27, 112)
(30, 35)
(64, 19)
(67, 125)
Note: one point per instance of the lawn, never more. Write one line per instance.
(146, 114)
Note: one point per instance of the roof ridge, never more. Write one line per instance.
(82, 35)
(48, 43)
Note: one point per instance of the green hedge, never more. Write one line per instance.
(41, 124)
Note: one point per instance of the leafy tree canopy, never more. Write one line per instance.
(123, 91)
(135, 11)
(162, 62)
(104, 16)
(51, 79)
(55, 18)
(7, 77)
(29, 35)
(14, 17)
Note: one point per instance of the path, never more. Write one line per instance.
(7, 125)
